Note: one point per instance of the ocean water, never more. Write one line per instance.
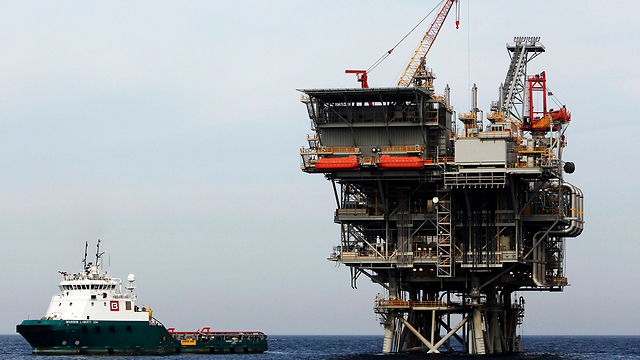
(368, 347)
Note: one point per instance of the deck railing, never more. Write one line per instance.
(414, 304)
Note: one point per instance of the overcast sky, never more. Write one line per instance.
(171, 131)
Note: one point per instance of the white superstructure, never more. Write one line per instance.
(90, 295)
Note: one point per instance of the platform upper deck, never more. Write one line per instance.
(373, 95)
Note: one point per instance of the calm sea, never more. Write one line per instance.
(368, 347)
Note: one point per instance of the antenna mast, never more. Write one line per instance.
(84, 261)
(98, 254)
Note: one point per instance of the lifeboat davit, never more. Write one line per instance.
(400, 163)
(338, 163)
(560, 115)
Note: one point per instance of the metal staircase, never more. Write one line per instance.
(445, 264)
(514, 84)
(404, 250)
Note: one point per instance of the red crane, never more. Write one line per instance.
(362, 76)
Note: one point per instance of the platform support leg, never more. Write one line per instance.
(389, 330)
(476, 334)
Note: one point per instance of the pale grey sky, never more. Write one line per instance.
(171, 131)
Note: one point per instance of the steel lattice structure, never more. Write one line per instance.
(450, 224)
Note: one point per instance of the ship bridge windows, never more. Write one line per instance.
(88, 287)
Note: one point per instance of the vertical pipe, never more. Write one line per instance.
(447, 94)
(402, 230)
(448, 316)
(474, 98)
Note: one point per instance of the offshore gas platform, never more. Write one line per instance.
(450, 221)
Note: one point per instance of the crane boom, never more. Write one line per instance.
(425, 45)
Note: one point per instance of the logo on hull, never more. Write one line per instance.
(115, 306)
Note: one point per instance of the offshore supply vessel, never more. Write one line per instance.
(452, 221)
(91, 315)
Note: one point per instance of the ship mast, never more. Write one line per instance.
(84, 261)
(98, 256)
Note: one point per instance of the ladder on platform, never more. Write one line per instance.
(444, 251)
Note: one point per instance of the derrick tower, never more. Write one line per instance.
(449, 223)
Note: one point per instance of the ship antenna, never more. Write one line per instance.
(84, 262)
(98, 255)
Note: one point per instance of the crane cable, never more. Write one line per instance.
(386, 55)
(554, 98)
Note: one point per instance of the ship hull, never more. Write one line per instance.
(97, 337)
(130, 337)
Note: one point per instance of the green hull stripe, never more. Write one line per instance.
(119, 337)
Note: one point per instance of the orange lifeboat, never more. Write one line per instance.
(340, 163)
(400, 163)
